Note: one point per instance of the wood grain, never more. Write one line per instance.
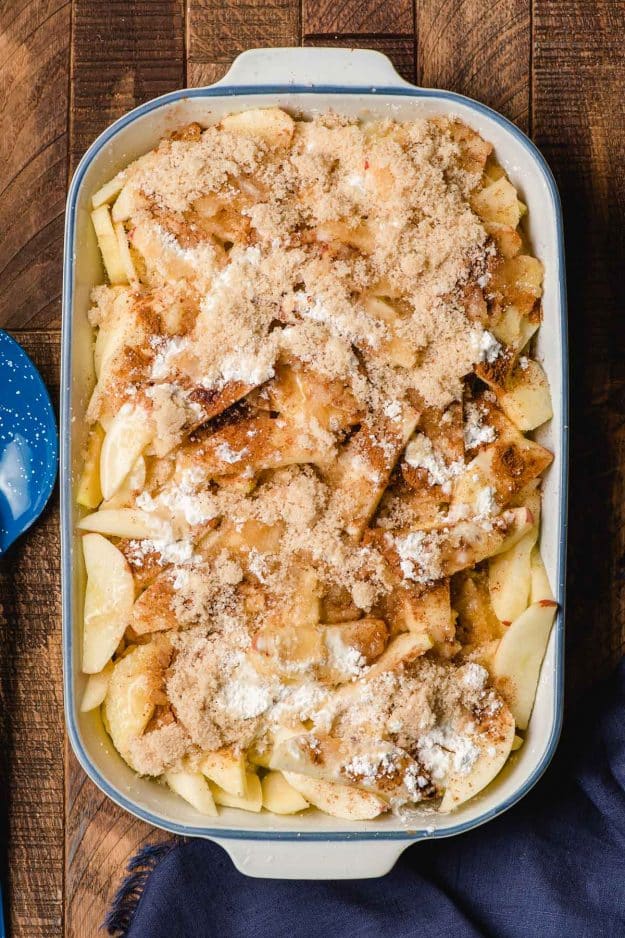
(218, 30)
(31, 710)
(579, 122)
(357, 17)
(122, 54)
(34, 67)
(100, 840)
(479, 48)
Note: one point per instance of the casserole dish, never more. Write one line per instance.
(361, 83)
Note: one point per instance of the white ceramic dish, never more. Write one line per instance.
(304, 81)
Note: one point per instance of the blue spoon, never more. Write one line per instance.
(28, 442)
(28, 451)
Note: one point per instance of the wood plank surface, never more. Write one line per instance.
(34, 68)
(218, 32)
(578, 120)
(357, 17)
(31, 710)
(67, 69)
(100, 839)
(365, 24)
(479, 48)
(122, 54)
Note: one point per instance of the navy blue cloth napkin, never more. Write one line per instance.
(552, 866)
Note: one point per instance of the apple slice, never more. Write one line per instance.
(271, 125)
(277, 735)
(324, 757)
(132, 485)
(342, 801)
(124, 204)
(309, 754)
(109, 598)
(121, 328)
(89, 491)
(507, 239)
(514, 328)
(226, 768)
(251, 801)
(470, 542)
(124, 252)
(128, 435)
(509, 578)
(498, 202)
(519, 656)
(401, 650)
(97, 686)
(106, 193)
(109, 190)
(427, 613)
(279, 797)
(135, 687)
(364, 467)
(526, 398)
(123, 522)
(495, 749)
(107, 241)
(540, 586)
(193, 787)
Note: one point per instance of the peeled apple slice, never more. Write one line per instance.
(271, 124)
(124, 204)
(489, 764)
(89, 491)
(519, 656)
(280, 797)
(526, 399)
(107, 241)
(134, 689)
(400, 650)
(108, 191)
(540, 586)
(251, 801)
(123, 522)
(126, 438)
(96, 689)
(193, 787)
(227, 769)
(124, 252)
(109, 598)
(341, 801)
(131, 486)
(509, 578)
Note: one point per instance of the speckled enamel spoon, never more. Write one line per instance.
(28, 442)
(28, 450)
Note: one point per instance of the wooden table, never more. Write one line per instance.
(67, 69)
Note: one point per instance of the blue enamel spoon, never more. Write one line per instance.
(28, 442)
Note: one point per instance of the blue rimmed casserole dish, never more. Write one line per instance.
(305, 81)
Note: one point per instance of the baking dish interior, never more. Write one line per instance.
(128, 139)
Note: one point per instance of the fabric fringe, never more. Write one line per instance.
(139, 869)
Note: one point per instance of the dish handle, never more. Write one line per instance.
(313, 66)
(297, 859)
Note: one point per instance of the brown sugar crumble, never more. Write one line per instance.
(309, 323)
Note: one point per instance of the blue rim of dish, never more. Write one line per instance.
(217, 833)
